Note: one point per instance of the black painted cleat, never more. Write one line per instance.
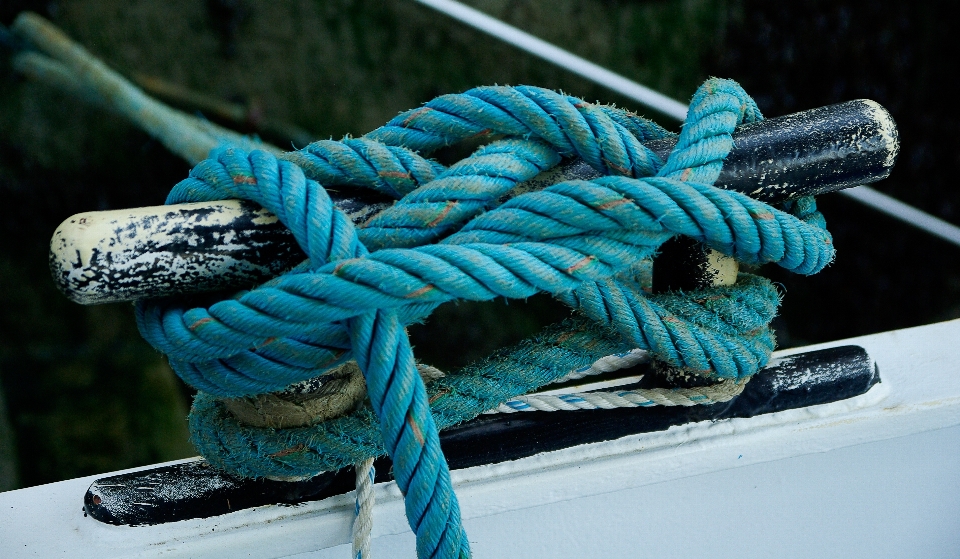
(197, 490)
(189, 490)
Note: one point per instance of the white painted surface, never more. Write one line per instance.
(874, 476)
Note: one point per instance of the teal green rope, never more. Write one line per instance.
(448, 238)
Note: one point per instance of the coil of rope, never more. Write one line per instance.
(448, 237)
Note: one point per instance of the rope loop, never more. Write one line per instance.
(451, 236)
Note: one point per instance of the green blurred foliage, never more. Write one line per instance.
(346, 66)
(85, 395)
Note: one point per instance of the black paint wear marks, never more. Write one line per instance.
(196, 490)
(192, 255)
(187, 247)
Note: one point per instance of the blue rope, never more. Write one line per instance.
(449, 238)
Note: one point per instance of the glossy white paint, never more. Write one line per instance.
(874, 476)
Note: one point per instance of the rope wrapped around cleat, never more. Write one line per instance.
(448, 237)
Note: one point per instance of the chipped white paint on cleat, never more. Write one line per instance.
(102, 257)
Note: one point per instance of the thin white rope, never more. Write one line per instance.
(660, 102)
(555, 400)
(608, 364)
(363, 509)
(723, 391)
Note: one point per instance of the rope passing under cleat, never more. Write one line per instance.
(448, 238)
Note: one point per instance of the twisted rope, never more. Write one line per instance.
(363, 509)
(450, 238)
(723, 391)
(608, 364)
(295, 321)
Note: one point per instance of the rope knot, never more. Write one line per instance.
(450, 235)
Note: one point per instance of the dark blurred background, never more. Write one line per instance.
(84, 394)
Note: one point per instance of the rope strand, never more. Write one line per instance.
(363, 509)
(702, 395)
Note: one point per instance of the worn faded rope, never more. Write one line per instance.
(449, 237)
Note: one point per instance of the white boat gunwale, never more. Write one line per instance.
(919, 392)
